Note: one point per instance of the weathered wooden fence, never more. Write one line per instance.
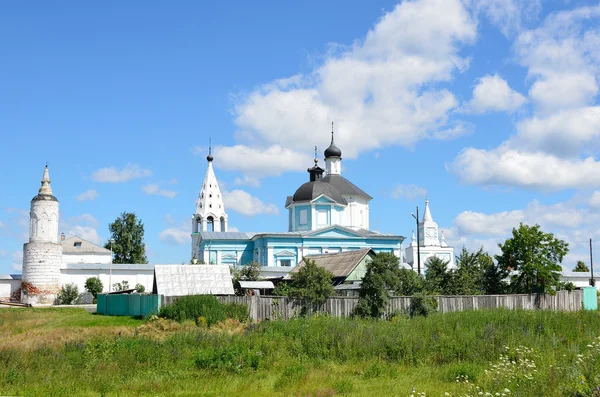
(274, 307)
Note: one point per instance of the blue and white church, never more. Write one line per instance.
(327, 214)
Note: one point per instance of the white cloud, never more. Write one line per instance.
(509, 15)
(409, 192)
(246, 204)
(175, 236)
(564, 90)
(492, 94)
(114, 175)
(154, 189)
(380, 91)
(247, 181)
(83, 226)
(90, 194)
(533, 170)
(17, 261)
(16, 224)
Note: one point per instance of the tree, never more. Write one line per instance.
(139, 288)
(68, 294)
(127, 231)
(581, 267)
(535, 257)
(381, 277)
(249, 272)
(476, 273)
(409, 283)
(311, 283)
(94, 286)
(438, 280)
(494, 276)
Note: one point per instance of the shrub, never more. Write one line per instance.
(94, 286)
(231, 358)
(139, 288)
(422, 305)
(193, 306)
(122, 286)
(68, 294)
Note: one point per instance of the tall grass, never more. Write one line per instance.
(208, 307)
(305, 355)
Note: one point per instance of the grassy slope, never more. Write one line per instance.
(72, 352)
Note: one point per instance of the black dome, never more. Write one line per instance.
(333, 151)
(44, 197)
(311, 190)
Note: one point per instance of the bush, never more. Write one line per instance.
(139, 288)
(192, 307)
(94, 286)
(68, 294)
(422, 305)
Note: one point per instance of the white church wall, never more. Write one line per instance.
(85, 258)
(8, 287)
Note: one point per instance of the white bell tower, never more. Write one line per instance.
(428, 229)
(42, 255)
(210, 215)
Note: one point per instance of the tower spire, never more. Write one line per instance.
(45, 188)
(209, 158)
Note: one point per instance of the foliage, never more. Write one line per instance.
(282, 289)
(494, 276)
(192, 307)
(581, 267)
(311, 283)
(535, 257)
(249, 272)
(477, 274)
(68, 294)
(422, 305)
(438, 280)
(409, 283)
(139, 288)
(565, 286)
(128, 233)
(122, 286)
(381, 277)
(94, 286)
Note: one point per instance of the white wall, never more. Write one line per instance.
(133, 277)
(85, 258)
(7, 287)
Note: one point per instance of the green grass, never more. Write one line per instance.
(319, 356)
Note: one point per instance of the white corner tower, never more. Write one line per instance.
(210, 215)
(42, 255)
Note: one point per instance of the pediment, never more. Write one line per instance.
(334, 231)
(323, 199)
(285, 253)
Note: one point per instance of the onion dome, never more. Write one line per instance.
(332, 150)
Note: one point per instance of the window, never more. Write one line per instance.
(77, 244)
(210, 195)
(303, 217)
(285, 262)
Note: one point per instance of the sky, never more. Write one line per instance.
(488, 108)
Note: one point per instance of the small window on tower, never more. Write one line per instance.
(210, 195)
(202, 195)
(200, 205)
(210, 206)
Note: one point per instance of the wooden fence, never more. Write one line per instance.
(275, 307)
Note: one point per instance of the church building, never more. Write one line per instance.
(428, 244)
(327, 214)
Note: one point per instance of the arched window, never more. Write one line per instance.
(223, 224)
(210, 224)
(197, 224)
(210, 195)
(210, 206)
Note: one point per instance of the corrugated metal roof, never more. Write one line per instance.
(340, 264)
(107, 266)
(179, 280)
(226, 235)
(261, 284)
(78, 245)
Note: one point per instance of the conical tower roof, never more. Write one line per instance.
(45, 192)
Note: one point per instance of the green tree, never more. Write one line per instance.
(68, 294)
(408, 283)
(581, 267)
(468, 277)
(127, 231)
(438, 280)
(381, 277)
(139, 288)
(535, 257)
(94, 286)
(494, 276)
(249, 272)
(311, 283)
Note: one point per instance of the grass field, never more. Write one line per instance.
(68, 352)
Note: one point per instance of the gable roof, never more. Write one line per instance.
(344, 186)
(340, 264)
(84, 247)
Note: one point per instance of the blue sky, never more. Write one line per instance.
(489, 108)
